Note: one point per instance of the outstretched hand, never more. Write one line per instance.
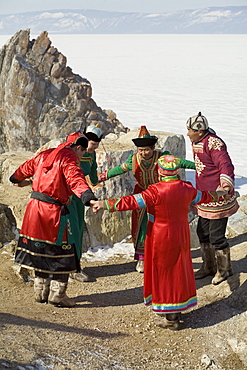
(96, 205)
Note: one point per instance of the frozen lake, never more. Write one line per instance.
(161, 80)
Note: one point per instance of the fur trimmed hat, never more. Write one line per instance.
(197, 123)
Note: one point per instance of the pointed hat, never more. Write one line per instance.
(144, 138)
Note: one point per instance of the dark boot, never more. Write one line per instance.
(58, 296)
(41, 289)
(208, 266)
(224, 267)
(170, 321)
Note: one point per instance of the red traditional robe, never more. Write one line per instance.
(146, 173)
(169, 283)
(42, 220)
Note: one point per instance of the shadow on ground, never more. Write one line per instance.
(110, 270)
(9, 319)
(219, 311)
(114, 298)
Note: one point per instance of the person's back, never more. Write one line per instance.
(53, 181)
(169, 284)
(175, 197)
(168, 240)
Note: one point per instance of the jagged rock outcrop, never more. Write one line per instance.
(41, 101)
(237, 224)
(13, 200)
(40, 96)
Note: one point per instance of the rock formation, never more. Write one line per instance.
(40, 96)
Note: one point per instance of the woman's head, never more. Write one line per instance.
(93, 133)
(94, 136)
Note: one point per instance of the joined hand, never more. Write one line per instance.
(96, 205)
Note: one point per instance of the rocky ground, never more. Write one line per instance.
(110, 328)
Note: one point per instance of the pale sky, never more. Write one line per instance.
(146, 6)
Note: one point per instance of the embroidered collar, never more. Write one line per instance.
(169, 178)
(146, 164)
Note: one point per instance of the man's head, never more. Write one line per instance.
(146, 152)
(80, 146)
(197, 127)
(75, 141)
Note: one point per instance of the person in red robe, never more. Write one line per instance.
(169, 283)
(46, 243)
(143, 165)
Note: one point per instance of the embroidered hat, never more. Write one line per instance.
(93, 133)
(144, 138)
(168, 165)
(197, 123)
